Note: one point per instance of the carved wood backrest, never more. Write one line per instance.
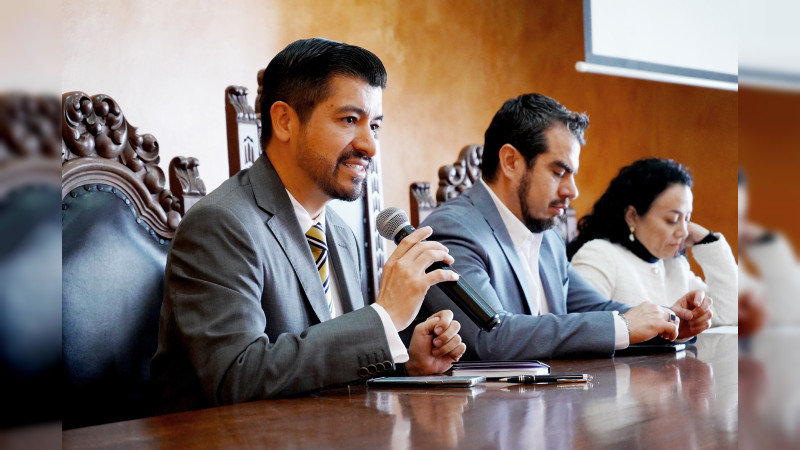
(453, 180)
(456, 178)
(100, 146)
(243, 129)
(422, 202)
(461, 175)
(243, 124)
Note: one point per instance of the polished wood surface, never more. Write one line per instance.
(685, 400)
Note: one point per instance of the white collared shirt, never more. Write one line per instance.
(527, 245)
(396, 346)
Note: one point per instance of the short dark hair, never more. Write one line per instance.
(522, 122)
(638, 185)
(299, 75)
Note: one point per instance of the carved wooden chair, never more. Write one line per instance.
(30, 259)
(117, 222)
(458, 177)
(244, 130)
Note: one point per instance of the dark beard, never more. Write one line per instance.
(341, 194)
(358, 185)
(534, 224)
(327, 185)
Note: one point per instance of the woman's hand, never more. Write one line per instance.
(696, 233)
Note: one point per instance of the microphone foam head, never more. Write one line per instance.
(390, 221)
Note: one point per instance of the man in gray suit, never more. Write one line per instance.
(262, 292)
(499, 233)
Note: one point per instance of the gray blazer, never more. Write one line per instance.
(471, 228)
(244, 315)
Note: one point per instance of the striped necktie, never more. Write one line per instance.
(319, 249)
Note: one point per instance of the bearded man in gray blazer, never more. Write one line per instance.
(249, 311)
(500, 235)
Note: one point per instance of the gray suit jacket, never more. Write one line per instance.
(476, 236)
(244, 315)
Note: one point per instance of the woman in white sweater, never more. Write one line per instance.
(632, 247)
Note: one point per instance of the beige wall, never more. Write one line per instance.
(451, 65)
(167, 64)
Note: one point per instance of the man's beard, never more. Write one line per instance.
(534, 224)
(339, 193)
(316, 168)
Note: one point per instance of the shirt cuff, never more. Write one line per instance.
(710, 237)
(621, 333)
(396, 346)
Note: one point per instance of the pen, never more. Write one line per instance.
(528, 379)
(533, 387)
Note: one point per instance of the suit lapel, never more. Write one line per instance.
(483, 202)
(551, 280)
(270, 196)
(343, 264)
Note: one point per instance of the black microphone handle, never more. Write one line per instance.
(402, 233)
(460, 292)
(466, 298)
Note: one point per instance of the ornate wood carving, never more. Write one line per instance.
(28, 141)
(100, 146)
(458, 177)
(422, 202)
(242, 130)
(376, 250)
(183, 172)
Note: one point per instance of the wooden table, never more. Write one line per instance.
(688, 400)
(769, 393)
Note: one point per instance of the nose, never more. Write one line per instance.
(568, 189)
(683, 229)
(365, 142)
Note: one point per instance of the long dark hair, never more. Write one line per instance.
(638, 185)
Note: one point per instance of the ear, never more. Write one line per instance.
(631, 216)
(283, 119)
(511, 163)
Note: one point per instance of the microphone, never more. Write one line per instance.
(393, 224)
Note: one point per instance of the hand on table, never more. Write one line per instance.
(648, 320)
(694, 311)
(435, 345)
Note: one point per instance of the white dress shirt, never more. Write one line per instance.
(527, 245)
(396, 346)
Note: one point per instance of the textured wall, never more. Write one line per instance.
(451, 65)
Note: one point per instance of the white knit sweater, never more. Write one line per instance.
(778, 281)
(622, 276)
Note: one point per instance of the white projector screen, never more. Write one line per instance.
(769, 44)
(680, 41)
